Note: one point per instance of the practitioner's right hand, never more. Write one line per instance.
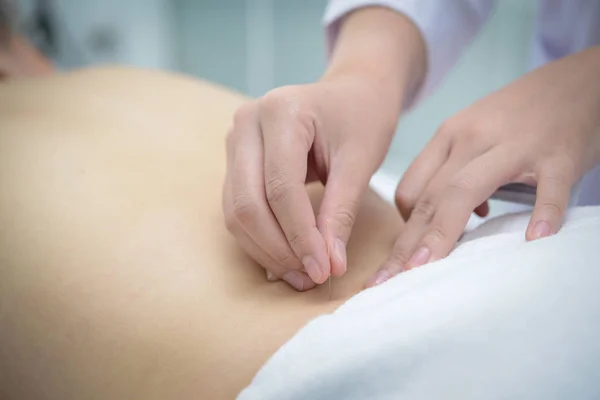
(336, 131)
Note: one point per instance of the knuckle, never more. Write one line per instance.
(345, 219)
(399, 258)
(562, 173)
(570, 165)
(463, 130)
(245, 208)
(281, 99)
(296, 239)
(424, 210)
(289, 103)
(403, 198)
(244, 114)
(277, 188)
(463, 183)
(286, 259)
(471, 132)
(449, 127)
(435, 236)
(552, 209)
(558, 181)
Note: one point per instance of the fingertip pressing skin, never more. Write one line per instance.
(420, 257)
(539, 230)
(552, 199)
(339, 262)
(336, 249)
(380, 277)
(299, 280)
(343, 195)
(314, 269)
(336, 252)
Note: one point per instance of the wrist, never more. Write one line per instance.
(373, 96)
(382, 48)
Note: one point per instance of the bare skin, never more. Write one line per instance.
(118, 278)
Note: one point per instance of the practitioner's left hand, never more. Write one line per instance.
(542, 130)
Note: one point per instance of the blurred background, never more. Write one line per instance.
(253, 46)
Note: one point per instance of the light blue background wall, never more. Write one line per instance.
(251, 45)
(255, 45)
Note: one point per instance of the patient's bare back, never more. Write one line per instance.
(118, 278)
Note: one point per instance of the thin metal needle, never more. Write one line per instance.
(328, 255)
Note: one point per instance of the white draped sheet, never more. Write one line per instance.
(498, 319)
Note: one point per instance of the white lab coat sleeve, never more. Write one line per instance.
(447, 27)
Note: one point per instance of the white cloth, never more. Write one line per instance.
(562, 27)
(498, 319)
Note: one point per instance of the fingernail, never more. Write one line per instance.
(419, 258)
(381, 276)
(340, 252)
(312, 268)
(295, 280)
(541, 229)
(271, 277)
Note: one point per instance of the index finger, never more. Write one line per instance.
(287, 141)
(474, 184)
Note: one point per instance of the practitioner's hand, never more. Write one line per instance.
(543, 129)
(334, 131)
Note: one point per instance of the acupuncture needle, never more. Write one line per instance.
(328, 255)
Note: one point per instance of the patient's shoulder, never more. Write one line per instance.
(123, 84)
(157, 78)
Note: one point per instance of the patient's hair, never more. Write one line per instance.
(7, 14)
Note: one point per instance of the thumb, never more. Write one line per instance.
(552, 199)
(346, 184)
